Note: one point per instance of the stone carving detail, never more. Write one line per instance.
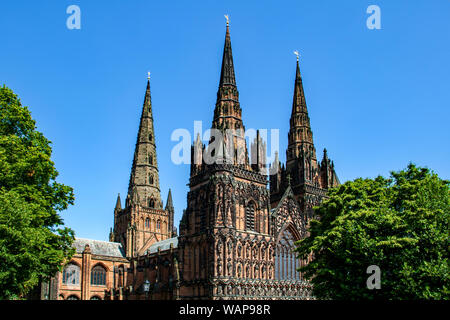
(230, 248)
(230, 269)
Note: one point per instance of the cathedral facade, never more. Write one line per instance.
(236, 236)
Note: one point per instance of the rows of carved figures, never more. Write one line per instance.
(263, 289)
(244, 256)
(235, 204)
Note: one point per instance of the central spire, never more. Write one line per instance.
(227, 76)
(299, 102)
(228, 113)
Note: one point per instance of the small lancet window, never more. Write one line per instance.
(250, 217)
(150, 178)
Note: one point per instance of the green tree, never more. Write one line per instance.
(33, 240)
(400, 224)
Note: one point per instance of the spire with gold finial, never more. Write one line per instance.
(300, 134)
(297, 54)
(227, 112)
(144, 178)
(227, 104)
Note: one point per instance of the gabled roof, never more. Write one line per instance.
(287, 194)
(163, 245)
(102, 248)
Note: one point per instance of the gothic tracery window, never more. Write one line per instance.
(98, 276)
(71, 274)
(286, 262)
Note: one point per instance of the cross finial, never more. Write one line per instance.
(148, 75)
(297, 54)
(289, 179)
(228, 19)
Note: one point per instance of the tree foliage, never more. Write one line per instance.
(400, 224)
(33, 239)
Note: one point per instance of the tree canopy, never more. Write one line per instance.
(400, 224)
(33, 240)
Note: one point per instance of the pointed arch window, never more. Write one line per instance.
(286, 262)
(150, 158)
(158, 225)
(150, 178)
(250, 216)
(150, 137)
(147, 223)
(151, 203)
(98, 276)
(71, 274)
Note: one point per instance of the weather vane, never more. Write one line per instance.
(228, 20)
(148, 75)
(297, 54)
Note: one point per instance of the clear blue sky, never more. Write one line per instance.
(377, 99)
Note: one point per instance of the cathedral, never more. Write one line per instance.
(236, 236)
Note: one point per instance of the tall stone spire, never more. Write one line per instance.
(227, 76)
(227, 112)
(144, 178)
(226, 200)
(307, 178)
(300, 137)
